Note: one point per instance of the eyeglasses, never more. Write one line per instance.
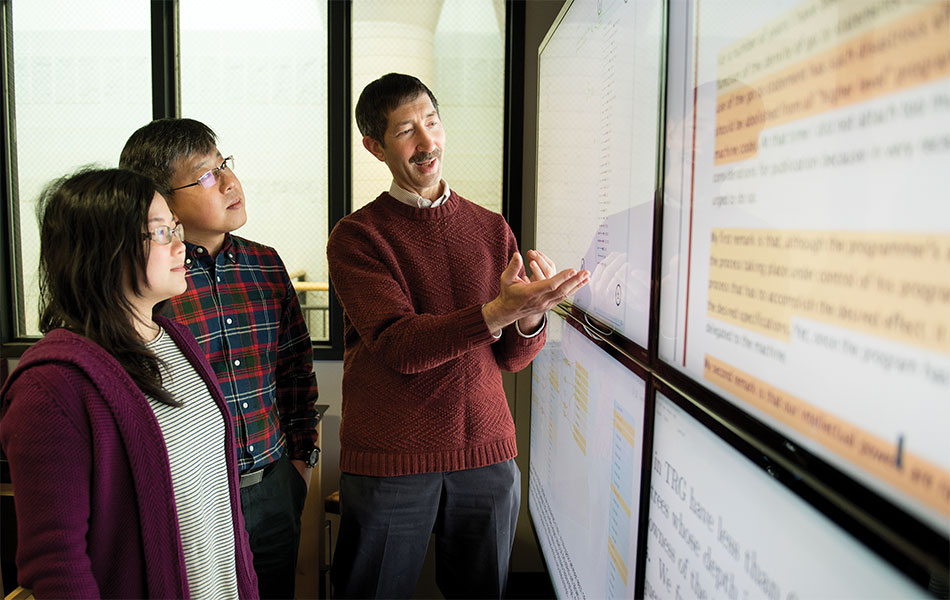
(163, 235)
(211, 177)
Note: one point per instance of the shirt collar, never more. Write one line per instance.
(414, 199)
(196, 252)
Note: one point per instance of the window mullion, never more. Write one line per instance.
(166, 100)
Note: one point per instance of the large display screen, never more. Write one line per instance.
(587, 413)
(721, 527)
(806, 228)
(598, 116)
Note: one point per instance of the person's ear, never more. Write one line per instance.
(375, 147)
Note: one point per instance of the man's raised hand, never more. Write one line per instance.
(525, 298)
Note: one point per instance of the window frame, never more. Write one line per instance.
(166, 102)
(9, 346)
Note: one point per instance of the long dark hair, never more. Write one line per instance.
(91, 244)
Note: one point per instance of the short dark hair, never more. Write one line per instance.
(91, 242)
(154, 149)
(384, 95)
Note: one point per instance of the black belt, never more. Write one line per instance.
(256, 476)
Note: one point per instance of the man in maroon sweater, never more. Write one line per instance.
(436, 303)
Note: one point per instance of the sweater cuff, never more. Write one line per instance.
(473, 326)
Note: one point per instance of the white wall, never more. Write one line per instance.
(330, 382)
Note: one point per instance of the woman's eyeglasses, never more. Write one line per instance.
(163, 235)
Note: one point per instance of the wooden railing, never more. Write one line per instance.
(20, 593)
(317, 315)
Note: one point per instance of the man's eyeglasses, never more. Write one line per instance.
(211, 177)
(163, 235)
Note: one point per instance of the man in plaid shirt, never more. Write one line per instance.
(243, 311)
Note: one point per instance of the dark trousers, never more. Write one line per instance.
(386, 523)
(272, 511)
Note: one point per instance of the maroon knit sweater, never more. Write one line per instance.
(422, 386)
(94, 499)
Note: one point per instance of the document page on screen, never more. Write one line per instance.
(586, 452)
(721, 527)
(598, 119)
(806, 228)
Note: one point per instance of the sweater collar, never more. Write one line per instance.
(414, 199)
(415, 213)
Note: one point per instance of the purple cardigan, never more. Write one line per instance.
(93, 491)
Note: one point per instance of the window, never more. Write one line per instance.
(259, 79)
(81, 85)
(456, 47)
(81, 79)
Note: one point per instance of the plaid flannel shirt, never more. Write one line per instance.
(243, 311)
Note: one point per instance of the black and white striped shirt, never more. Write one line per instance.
(195, 437)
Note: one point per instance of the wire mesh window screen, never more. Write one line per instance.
(456, 47)
(81, 86)
(259, 79)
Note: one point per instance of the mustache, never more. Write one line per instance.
(421, 158)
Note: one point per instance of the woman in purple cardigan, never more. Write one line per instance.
(117, 435)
